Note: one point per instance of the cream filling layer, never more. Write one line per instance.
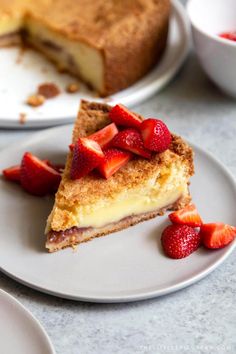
(133, 206)
(157, 193)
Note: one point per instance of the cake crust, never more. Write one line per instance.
(91, 188)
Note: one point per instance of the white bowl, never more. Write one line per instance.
(217, 55)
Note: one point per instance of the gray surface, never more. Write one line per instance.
(199, 319)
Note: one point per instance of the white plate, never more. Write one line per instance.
(18, 81)
(20, 332)
(125, 266)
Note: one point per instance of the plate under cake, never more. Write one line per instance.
(109, 44)
(92, 206)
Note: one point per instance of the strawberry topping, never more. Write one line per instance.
(180, 241)
(105, 135)
(186, 216)
(229, 35)
(155, 134)
(87, 154)
(217, 235)
(122, 116)
(12, 173)
(113, 161)
(37, 177)
(131, 140)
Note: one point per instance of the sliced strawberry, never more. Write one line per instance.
(186, 216)
(12, 173)
(179, 241)
(71, 147)
(87, 154)
(37, 177)
(105, 135)
(113, 161)
(131, 140)
(229, 35)
(217, 235)
(122, 116)
(155, 134)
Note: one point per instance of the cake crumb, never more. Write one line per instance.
(48, 90)
(72, 87)
(22, 118)
(35, 100)
(20, 54)
(74, 248)
(44, 70)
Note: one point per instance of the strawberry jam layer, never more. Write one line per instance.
(9, 39)
(60, 236)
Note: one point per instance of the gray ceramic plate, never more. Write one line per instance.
(125, 266)
(20, 331)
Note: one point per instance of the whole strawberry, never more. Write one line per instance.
(179, 241)
(156, 136)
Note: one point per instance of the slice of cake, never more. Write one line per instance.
(109, 44)
(144, 187)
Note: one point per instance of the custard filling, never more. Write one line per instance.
(157, 193)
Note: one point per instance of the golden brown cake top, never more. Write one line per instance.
(89, 20)
(95, 22)
(91, 188)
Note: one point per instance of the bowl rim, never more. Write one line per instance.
(215, 37)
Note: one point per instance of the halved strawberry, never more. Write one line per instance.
(113, 161)
(155, 134)
(105, 135)
(186, 216)
(217, 235)
(131, 140)
(12, 173)
(120, 115)
(87, 154)
(37, 177)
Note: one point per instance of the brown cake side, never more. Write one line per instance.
(93, 116)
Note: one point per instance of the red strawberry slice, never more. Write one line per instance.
(186, 216)
(229, 35)
(71, 147)
(113, 161)
(122, 116)
(105, 135)
(131, 140)
(37, 177)
(155, 134)
(179, 241)
(12, 173)
(217, 235)
(87, 154)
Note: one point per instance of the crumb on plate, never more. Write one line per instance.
(35, 100)
(48, 90)
(22, 118)
(72, 87)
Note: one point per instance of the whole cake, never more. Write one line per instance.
(109, 44)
